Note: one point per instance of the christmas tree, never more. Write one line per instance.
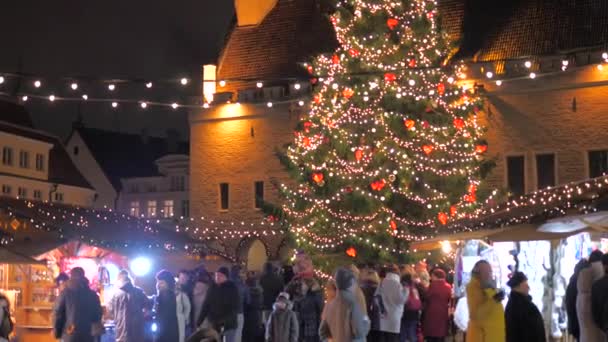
(391, 150)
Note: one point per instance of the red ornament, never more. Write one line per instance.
(317, 99)
(409, 123)
(470, 198)
(353, 52)
(348, 93)
(428, 149)
(481, 148)
(335, 59)
(428, 109)
(441, 89)
(458, 123)
(313, 80)
(351, 252)
(306, 141)
(309, 69)
(393, 225)
(326, 140)
(412, 63)
(317, 177)
(307, 125)
(392, 23)
(425, 124)
(378, 185)
(348, 189)
(453, 211)
(443, 218)
(358, 154)
(430, 15)
(472, 189)
(390, 77)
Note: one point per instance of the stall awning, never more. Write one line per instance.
(11, 257)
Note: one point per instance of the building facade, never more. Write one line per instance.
(35, 165)
(542, 131)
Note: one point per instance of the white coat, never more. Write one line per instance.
(183, 313)
(394, 297)
(590, 332)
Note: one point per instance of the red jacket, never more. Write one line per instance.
(436, 309)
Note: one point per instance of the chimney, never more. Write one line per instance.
(172, 141)
(252, 12)
(145, 136)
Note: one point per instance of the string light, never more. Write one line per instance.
(111, 86)
(85, 97)
(144, 105)
(259, 84)
(269, 104)
(37, 84)
(489, 74)
(149, 85)
(1, 79)
(174, 105)
(52, 98)
(532, 75)
(74, 86)
(222, 83)
(114, 104)
(528, 64)
(24, 98)
(184, 81)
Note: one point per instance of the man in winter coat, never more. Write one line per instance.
(77, 310)
(394, 296)
(272, 284)
(436, 307)
(282, 324)
(599, 299)
(165, 308)
(522, 318)
(486, 313)
(343, 319)
(127, 308)
(308, 307)
(222, 305)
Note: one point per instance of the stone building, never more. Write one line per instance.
(544, 131)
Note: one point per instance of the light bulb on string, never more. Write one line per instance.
(269, 104)
(1, 79)
(489, 74)
(297, 86)
(37, 84)
(24, 98)
(600, 67)
(111, 86)
(528, 64)
(222, 83)
(144, 105)
(85, 97)
(114, 104)
(300, 103)
(174, 105)
(149, 85)
(499, 83)
(74, 86)
(52, 98)
(259, 84)
(532, 75)
(605, 55)
(184, 81)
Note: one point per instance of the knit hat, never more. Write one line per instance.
(344, 278)
(225, 271)
(516, 279)
(283, 295)
(167, 277)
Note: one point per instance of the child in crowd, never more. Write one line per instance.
(282, 325)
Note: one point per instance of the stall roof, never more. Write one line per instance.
(10, 257)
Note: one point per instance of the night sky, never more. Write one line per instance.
(111, 39)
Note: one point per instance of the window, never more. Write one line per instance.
(134, 209)
(516, 175)
(185, 208)
(37, 194)
(7, 156)
(24, 159)
(151, 208)
(6, 189)
(259, 194)
(76, 150)
(22, 192)
(598, 163)
(58, 197)
(545, 170)
(168, 208)
(178, 183)
(39, 162)
(224, 192)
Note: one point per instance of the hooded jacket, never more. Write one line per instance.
(221, 306)
(75, 312)
(127, 309)
(394, 296)
(282, 325)
(486, 316)
(523, 320)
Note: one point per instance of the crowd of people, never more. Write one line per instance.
(359, 303)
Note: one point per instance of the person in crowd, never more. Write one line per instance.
(253, 329)
(77, 312)
(423, 273)
(61, 281)
(597, 268)
(330, 291)
(438, 297)
(222, 305)
(308, 308)
(589, 330)
(599, 299)
(288, 273)
(394, 297)
(522, 319)
(272, 284)
(571, 294)
(343, 319)
(282, 324)
(127, 308)
(411, 312)
(183, 309)
(358, 292)
(165, 308)
(486, 313)
(185, 284)
(236, 278)
(369, 284)
(6, 322)
(199, 293)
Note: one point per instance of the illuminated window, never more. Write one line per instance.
(259, 194)
(516, 175)
(151, 208)
(224, 193)
(168, 208)
(134, 209)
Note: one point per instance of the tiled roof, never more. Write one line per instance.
(61, 168)
(124, 155)
(291, 32)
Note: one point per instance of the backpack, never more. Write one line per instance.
(413, 300)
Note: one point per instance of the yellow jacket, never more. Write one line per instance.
(486, 316)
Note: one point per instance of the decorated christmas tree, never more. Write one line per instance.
(391, 149)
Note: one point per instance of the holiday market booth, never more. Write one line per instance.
(56, 238)
(543, 234)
